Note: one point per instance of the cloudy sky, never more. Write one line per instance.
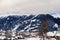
(29, 6)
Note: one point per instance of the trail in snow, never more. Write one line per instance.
(17, 26)
(28, 26)
(32, 28)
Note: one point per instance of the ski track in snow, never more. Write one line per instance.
(17, 26)
(31, 28)
(28, 26)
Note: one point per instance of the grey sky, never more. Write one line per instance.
(29, 6)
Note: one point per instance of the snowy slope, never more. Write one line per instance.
(26, 23)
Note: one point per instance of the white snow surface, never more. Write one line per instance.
(16, 26)
(56, 25)
(32, 28)
(32, 38)
(56, 15)
(28, 26)
(2, 37)
(51, 33)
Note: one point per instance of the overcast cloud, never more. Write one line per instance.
(29, 6)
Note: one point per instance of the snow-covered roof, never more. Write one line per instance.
(55, 33)
(2, 37)
(51, 33)
(32, 38)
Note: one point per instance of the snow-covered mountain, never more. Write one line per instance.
(27, 23)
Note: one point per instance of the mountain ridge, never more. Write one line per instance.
(27, 22)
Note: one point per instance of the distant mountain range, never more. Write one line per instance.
(27, 23)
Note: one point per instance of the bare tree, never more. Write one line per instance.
(44, 28)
